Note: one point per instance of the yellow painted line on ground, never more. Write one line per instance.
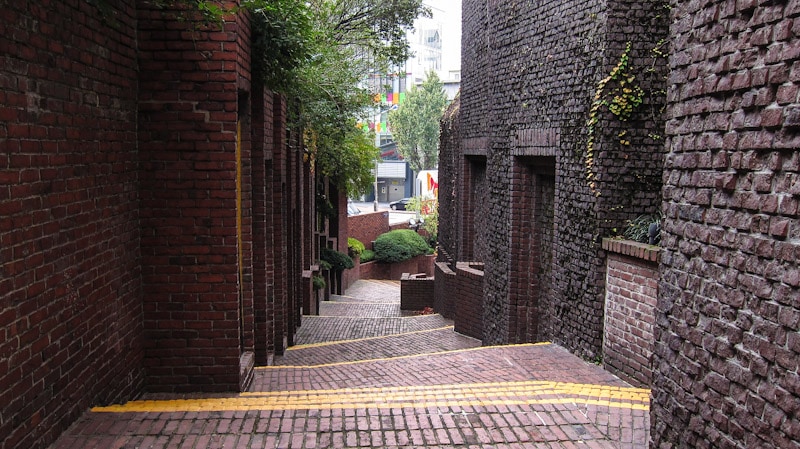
(483, 394)
(389, 359)
(356, 340)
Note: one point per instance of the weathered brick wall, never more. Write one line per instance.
(70, 282)
(529, 75)
(449, 160)
(631, 292)
(726, 363)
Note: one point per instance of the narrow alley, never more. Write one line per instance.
(365, 374)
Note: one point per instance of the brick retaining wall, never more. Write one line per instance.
(366, 227)
(394, 271)
(444, 286)
(416, 291)
(631, 290)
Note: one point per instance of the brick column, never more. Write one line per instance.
(192, 212)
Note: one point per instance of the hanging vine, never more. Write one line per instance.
(619, 94)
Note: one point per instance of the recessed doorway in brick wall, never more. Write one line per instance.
(532, 203)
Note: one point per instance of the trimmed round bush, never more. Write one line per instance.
(399, 245)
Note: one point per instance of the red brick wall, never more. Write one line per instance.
(631, 293)
(367, 227)
(190, 83)
(394, 271)
(70, 282)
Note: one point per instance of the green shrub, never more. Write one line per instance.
(318, 281)
(339, 261)
(639, 229)
(323, 265)
(354, 247)
(367, 256)
(399, 245)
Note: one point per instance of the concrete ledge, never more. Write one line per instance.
(246, 370)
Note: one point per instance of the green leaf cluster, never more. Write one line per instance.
(399, 245)
(318, 282)
(338, 261)
(354, 247)
(638, 229)
(415, 123)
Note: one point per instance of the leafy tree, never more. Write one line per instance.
(323, 55)
(415, 124)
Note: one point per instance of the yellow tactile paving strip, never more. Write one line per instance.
(461, 395)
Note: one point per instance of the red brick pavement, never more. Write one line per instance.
(427, 387)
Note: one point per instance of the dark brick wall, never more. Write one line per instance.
(141, 246)
(193, 256)
(444, 286)
(631, 293)
(726, 364)
(529, 76)
(416, 291)
(469, 317)
(70, 281)
(449, 161)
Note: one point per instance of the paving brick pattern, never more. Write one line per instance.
(428, 388)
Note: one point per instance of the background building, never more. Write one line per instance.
(436, 46)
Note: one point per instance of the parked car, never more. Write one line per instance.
(399, 204)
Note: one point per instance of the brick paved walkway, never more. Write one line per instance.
(400, 381)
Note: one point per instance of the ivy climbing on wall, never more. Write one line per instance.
(619, 94)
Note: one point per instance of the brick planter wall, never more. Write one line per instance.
(631, 290)
(416, 291)
(394, 271)
(469, 313)
(444, 286)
